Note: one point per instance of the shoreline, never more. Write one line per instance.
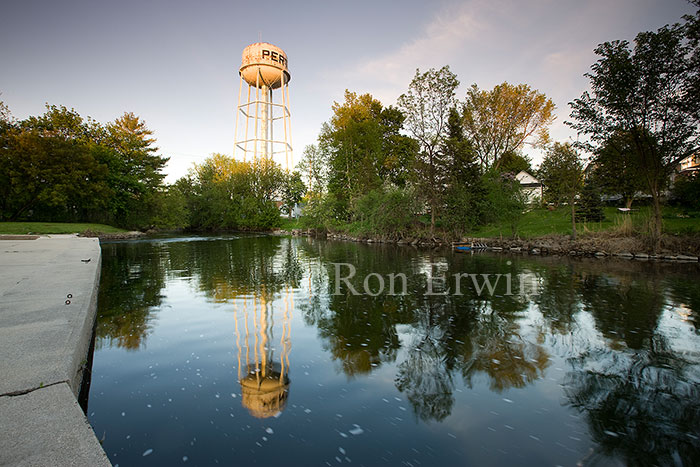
(594, 245)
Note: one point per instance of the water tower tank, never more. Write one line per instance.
(264, 64)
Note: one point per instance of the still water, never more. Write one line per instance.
(236, 350)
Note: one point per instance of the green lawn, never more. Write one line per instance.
(40, 228)
(289, 224)
(539, 222)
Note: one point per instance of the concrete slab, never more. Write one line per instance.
(48, 301)
(47, 427)
(48, 294)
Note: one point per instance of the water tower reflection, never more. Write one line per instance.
(264, 381)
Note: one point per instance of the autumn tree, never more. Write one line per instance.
(427, 105)
(561, 173)
(505, 119)
(642, 90)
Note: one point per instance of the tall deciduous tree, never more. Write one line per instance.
(503, 120)
(644, 91)
(427, 105)
(561, 173)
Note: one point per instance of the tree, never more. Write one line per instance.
(505, 199)
(314, 167)
(502, 121)
(357, 142)
(292, 192)
(427, 106)
(591, 207)
(616, 169)
(515, 162)
(561, 173)
(464, 192)
(50, 174)
(643, 91)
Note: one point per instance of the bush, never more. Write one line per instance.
(686, 192)
(387, 212)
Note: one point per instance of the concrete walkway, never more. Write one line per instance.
(48, 298)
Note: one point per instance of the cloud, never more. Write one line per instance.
(439, 42)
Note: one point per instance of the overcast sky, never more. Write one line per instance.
(175, 63)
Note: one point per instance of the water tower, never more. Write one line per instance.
(263, 125)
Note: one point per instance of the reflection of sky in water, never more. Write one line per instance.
(386, 380)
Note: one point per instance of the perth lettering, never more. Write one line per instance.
(375, 284)
(274, 56)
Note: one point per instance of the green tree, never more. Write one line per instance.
(505, 199)
(561, 173)
(503, 120)
(48, 173)
(590, 206)
(292, 192)
(134, 167)
(464, 192)
(515, 162)
(616, 169)
(314, 167)
(427, 105)
(359, 144)
(642, 91)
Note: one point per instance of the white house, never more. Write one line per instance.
(531, 186)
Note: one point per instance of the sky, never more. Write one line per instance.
(175, 63)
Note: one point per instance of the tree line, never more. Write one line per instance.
(61, 167)
(377, 169)
(428, 165)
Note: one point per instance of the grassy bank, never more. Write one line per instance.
(540, 222)
(45, 228)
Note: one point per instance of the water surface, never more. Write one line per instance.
(236, 351)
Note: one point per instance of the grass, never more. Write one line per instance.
(42, 228)
(539, 222)
(289, 224)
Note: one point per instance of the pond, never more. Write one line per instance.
(256, 350)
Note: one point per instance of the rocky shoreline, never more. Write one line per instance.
(597, 245)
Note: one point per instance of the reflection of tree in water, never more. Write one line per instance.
(134, 274)
(643, 406)
(496, 349)
(640, 397)
(225, 270)
(446, 334)
(426, 373)
(131, 281)
(625, 308)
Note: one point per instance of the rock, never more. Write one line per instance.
(641, 256)
(535, 251)
(624, 254)
(600, 254)
(669, 257)
(496, 248)
(686, 258)
(515, 248)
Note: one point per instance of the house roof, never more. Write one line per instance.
(526, 179)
